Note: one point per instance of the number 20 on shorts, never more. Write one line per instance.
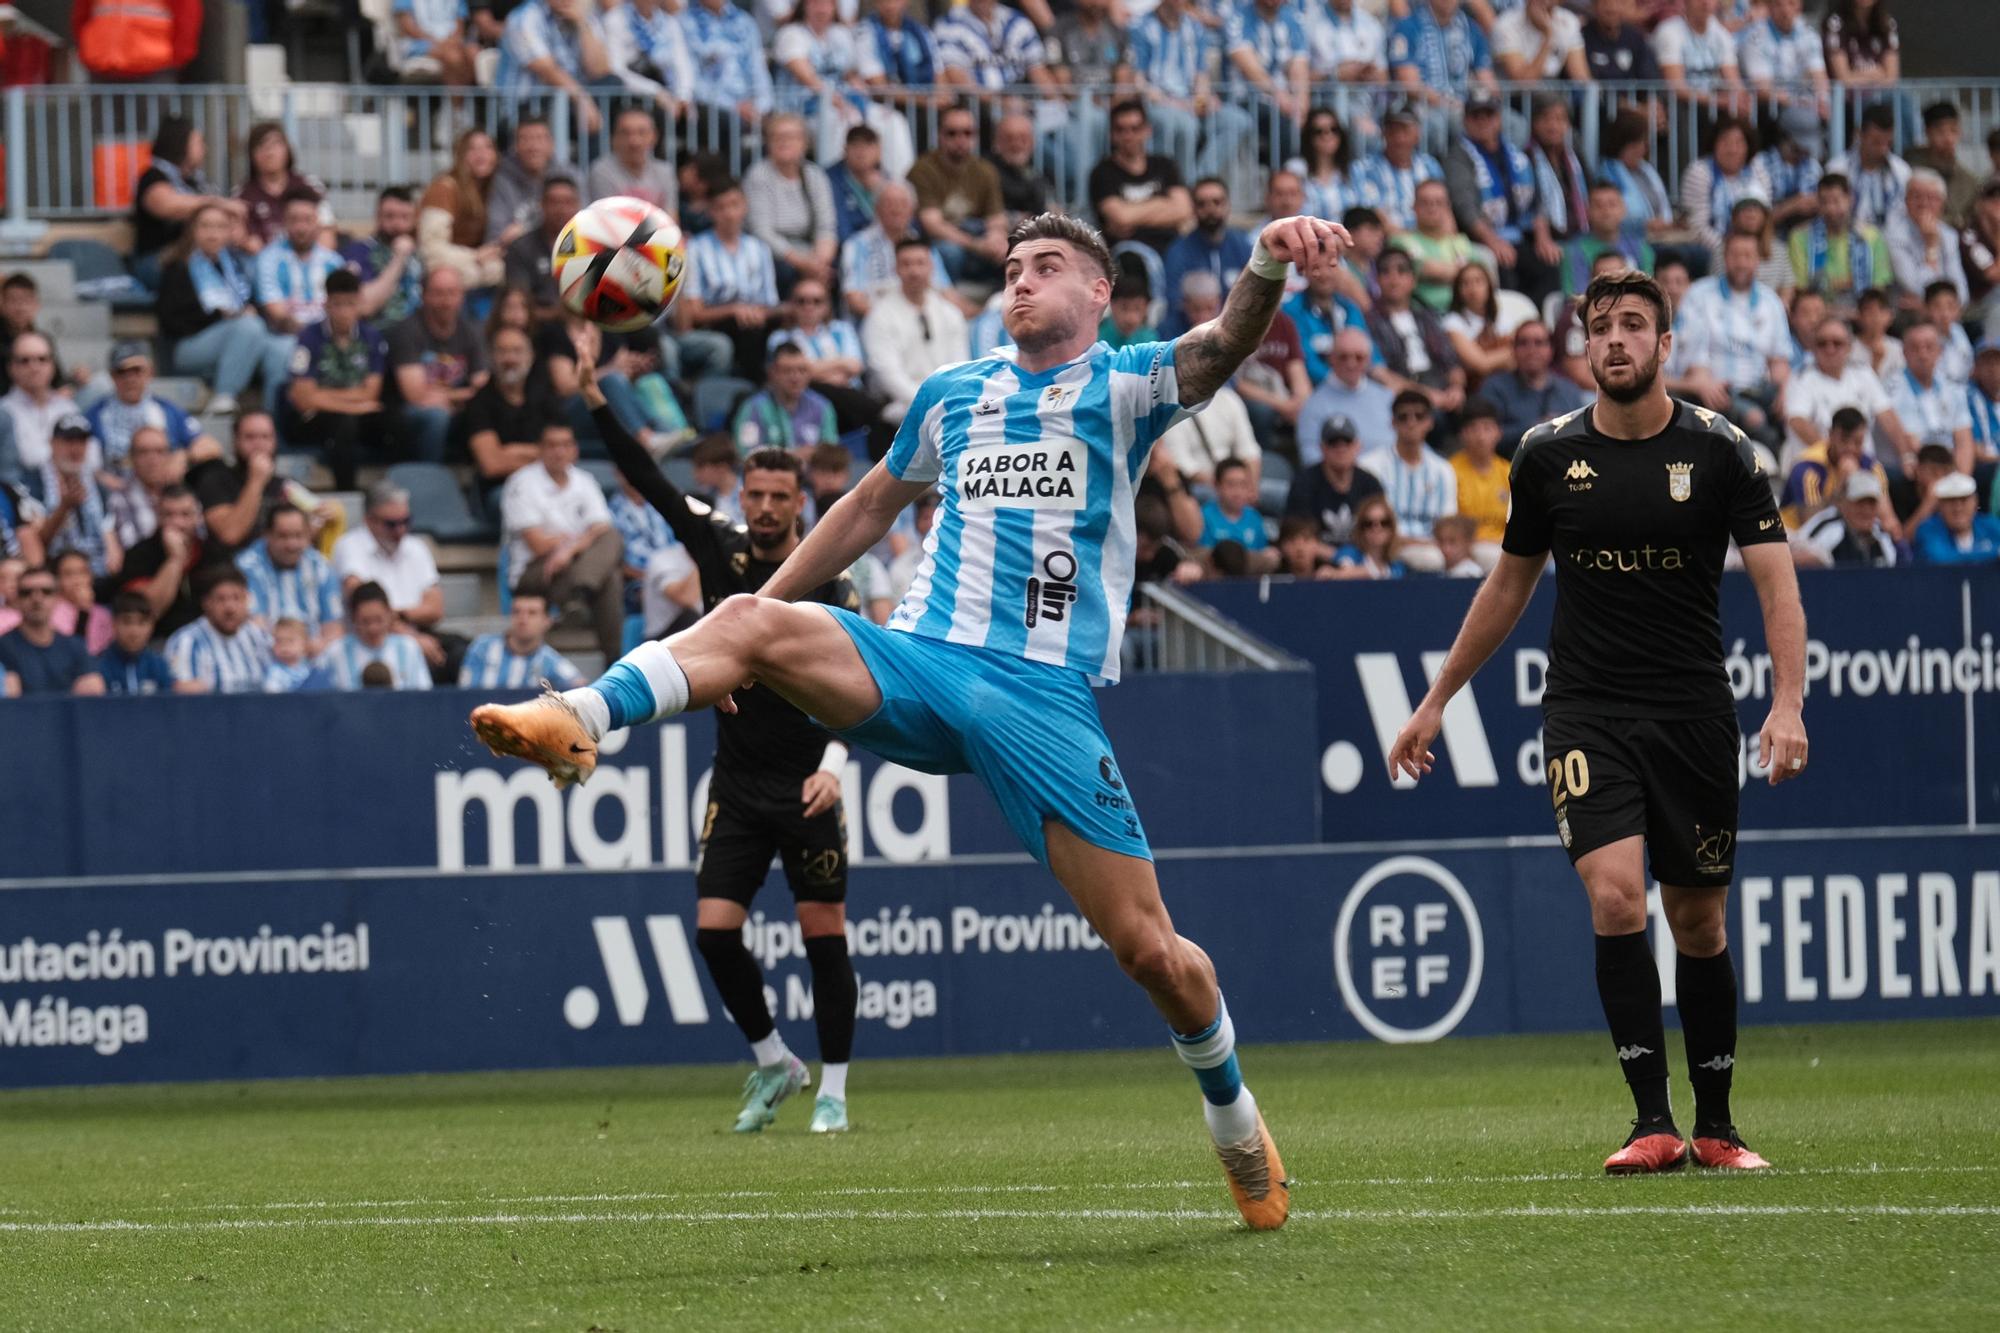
(1568, 776)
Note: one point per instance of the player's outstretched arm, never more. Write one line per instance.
(1208, 354)
(1781, 745)
(1487, 623)
(856, 522)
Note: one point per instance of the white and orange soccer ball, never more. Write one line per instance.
(619, 263)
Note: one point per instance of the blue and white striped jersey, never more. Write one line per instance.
(346, 658)
(717, 275)
(490, 665)
(308, 592)
(1174, 59)
(1032, 552)
(295, 281)
(226, 663)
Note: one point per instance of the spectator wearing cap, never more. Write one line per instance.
(292, 271)
(1711, 186)
(1387, 181)
(1494, 199)
(129, 665)
(1835, 255)
(167, 566)
(1933, 409)
(1421, 486)
(1982, 398)
(224, 652)
(1737, 333)
(1348, 392)
(133, 499)
(132, 405)
(1415, 348)
(1608, 233)
(289, 580)
(519, 658)
(371, 638)
(34, 657)
(1697, 55)
(1851, 534)
(1792, 165)
(1876, 174)
(1269, 61)
(1330, 493)
(1957, 534)
(1831, 381)
(334, 398)
(77, 518)
(1939, 152)
(1561, 187)
(1922, 248)
(1823, 469)
(33, 406)
(1531, 392)
(383, 552)
(1539, 40)
(1782, 58)
(1439, 53)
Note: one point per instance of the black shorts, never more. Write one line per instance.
(1672, 782)
(749, 823)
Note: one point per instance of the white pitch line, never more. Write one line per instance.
(706, 1218)
(871, 1191)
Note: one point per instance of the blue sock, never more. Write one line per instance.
(626, 693)
(1211, 1054)
(644, 684)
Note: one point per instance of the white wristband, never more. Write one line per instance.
(835, 758)
(1261, 263)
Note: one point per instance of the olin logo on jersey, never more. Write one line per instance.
(1050, 598)
(1045, 476)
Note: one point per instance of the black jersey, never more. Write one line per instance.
(766, 740)
(1639, 529)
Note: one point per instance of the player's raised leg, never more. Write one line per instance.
(1705, 993)
(1120, 895)
(1628, 984)
(797, 650)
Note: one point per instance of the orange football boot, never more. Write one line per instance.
(1655, 1145)
(1257, 1179)
(1723, 1149)
(545, 731)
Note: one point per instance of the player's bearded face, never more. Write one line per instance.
(1624, 352)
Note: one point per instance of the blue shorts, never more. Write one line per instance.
(1029, 730)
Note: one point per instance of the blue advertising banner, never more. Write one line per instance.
(189, 784)
(362, 972)
(1903, 685)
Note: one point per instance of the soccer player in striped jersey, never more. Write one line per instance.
(1018, 607)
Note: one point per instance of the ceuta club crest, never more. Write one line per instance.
(1680, 480)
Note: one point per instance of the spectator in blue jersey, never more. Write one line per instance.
(906, 54)
(130, 666)
(987, 46)
(76, 517)
(559, 46)
(1783, 59)
(732, 84)
(1440, 54)
(1932, 408)
(207, 316)
(856, 180)
(1319, 311)
(1169, 55)
(291, 669)
(133, 405)
(519, 659)
(1269, 58)
(1793, 166)
(1494, 198)
(224, 652)
(438, 33)
(1212, 245)
(786, 413)
(649, 51)
(392, 277)
(34, 657)
(1387, 181)
(334, 399)
(661, 583)
(1982, 397)
(1957, 534)
(289, 579)
(835, 363)
(731, 287)
(292, 270)
(1420, 485)
(1232, 517)
(371, 638)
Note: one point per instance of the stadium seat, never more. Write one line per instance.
(680, 471)
(603, 473)
(101, 274)
(715, 398)
(1275, 485)
(437, 503)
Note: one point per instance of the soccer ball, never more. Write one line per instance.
(619, 263)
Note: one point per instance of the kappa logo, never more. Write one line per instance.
(1634, 1052)
(1680, 480)
(1580, 471)
(1718, 1064)
(629, 994)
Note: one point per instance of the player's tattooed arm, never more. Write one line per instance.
(1206, 356)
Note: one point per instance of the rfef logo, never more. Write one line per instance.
(1408, 950)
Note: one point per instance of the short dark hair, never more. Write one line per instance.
(1606, 289)
(1297, 525)
(71, 554)
(785, 351)
(1834, 180)
(400, 193)
(1626, 129)
(524, 596)
(862, 134)
(1916, 324)
(377, 676)
(773, 460)
(527, 119)
(363, 594)
(1846, 421)
(220, 576)
(1073, 232)
(343, 282)
(556, 180)
(1477, 408)
(1880, 116)
(1937, 113)
(1216, 181)
(1942, 287)
(722, 185)
(1411, 398)
(300, 194)
(1152, 517)
(913, 243)
(1360, 217)
(1602, 185)
(1724, 124)
(284, 511)
(717, 448)
(177, 491)
(19, 282)
(1666, 262)
(1873, 296)
(1132, 286)
(1395, 255)
(1130, 106)
(830, 458)
(131, 603)
(1228, 465)
(1229, 558)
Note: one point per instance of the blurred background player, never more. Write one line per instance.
(1638, 498)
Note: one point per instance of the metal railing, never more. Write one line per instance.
(73, 151)
(1172, 631)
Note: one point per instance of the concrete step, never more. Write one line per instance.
(92, 352)
(76, 321)
(464, 594)
(475, 557)
(182, 391)
(141, 324)
(54, 278)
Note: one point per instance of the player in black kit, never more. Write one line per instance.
(1638, 497)
(775, 787)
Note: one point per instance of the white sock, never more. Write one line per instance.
(1232, 1123)
(833, 1080)
(770, 1051)
(591, 707)
(655, 661)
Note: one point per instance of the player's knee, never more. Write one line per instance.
(754, 624)
(1150, 959)
(1700, 925)
(1617, 908)
(720, 947)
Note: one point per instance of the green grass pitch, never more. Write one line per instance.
(1449, 1186)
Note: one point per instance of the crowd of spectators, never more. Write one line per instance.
(1843, 310)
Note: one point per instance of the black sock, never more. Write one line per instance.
(1628, 983)
(1706, 993)
(834, 993)
(736, 974)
